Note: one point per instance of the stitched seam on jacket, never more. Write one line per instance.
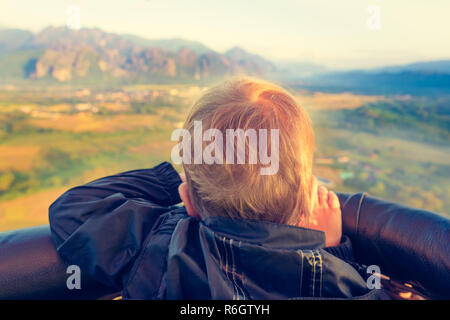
(226, 265)
(242, 275)
(300, 252)
(313, 273)
(233, 272)
(318, 262)
(218, 253)
(315, 264)
(221, 260)
(321, 272)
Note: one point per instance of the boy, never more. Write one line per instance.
(241, 234)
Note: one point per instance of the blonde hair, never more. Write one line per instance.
(239, 190)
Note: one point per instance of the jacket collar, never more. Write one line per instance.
(268, 234)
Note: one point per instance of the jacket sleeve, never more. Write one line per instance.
(101, 226)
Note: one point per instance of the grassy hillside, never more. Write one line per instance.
(422, 119)
(396, 149)
(18, 65)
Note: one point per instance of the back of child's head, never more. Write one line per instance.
(247, 189)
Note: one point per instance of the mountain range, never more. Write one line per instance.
(92, 56)
(62, 54)
(416, 79)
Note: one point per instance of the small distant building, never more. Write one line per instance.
(83, 93)
(343, 159)
(26, 109)
(83, 106)
(324, 160)
(346, 175)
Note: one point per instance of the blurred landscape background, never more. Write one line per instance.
(79, 103)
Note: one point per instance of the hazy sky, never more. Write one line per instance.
(339, 34)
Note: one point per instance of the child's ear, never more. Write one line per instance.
(185, 197)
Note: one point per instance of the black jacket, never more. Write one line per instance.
(127, 231)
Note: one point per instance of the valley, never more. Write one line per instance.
(56, 137)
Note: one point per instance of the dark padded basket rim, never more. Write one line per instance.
(30, 268)
(407, 243)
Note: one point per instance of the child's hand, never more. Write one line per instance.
(326, 216)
